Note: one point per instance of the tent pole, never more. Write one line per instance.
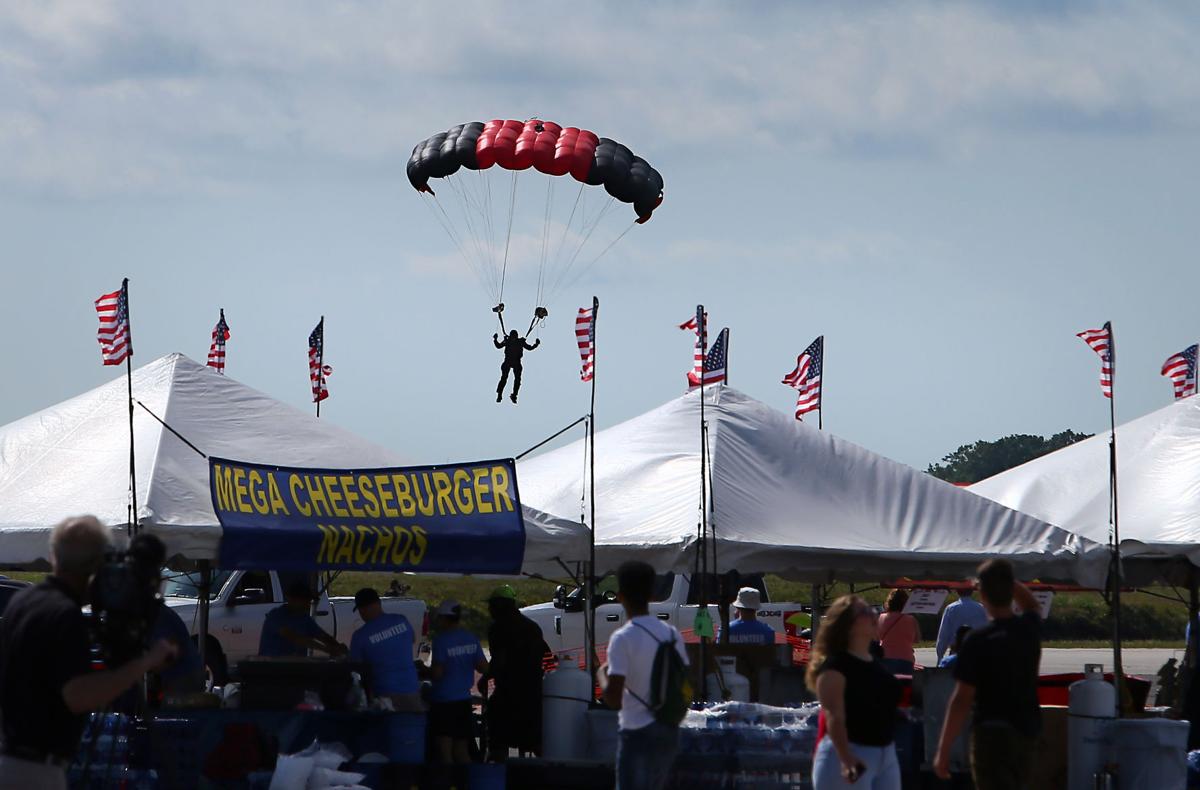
(1191, 656)
(205, 594)
(1190, 659)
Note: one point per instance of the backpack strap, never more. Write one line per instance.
(660, 643)
(651, 633)
(891, 625)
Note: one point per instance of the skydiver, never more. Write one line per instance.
(514, 348)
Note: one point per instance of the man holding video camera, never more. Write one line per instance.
(47, 686)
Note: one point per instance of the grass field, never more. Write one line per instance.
(1076, 619)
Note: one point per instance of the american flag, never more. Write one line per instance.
(1181, 369)
(714, 362)
(585, 335)
(216, 352)
(692, 324)
(116, 340)
(317, 369)
(807, 377)
(1101, 341)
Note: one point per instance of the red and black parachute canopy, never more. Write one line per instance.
(546, 147)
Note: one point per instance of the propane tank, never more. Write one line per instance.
(1091, 713)
(566, 692)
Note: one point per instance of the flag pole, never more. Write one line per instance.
(320, 368)
(722, 613)
(821, 394)
(591, 577)
(1118, 667)
(131, 528)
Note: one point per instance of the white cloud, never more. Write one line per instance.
(114, 97)
(849, 248)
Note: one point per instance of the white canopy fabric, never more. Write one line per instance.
(73, 458)
(1158, 473)
(789, 499)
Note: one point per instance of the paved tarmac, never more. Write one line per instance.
(1137, 661)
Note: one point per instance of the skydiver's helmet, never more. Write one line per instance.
(513, 334)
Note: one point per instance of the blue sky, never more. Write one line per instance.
(947, 192)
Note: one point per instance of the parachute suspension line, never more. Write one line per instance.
(444, 221)
(464, 250)
(591, 228)
(485, 188)
(545, 239)
(603, 252)
(512, 201)
(567, 228)
(469, 205)
(478, 220)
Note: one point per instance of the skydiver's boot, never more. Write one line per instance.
(499, 395)
(513, 397)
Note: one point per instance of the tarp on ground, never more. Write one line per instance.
(789, 499)
(73, 458)
(1158, 473)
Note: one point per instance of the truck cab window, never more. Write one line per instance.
(664, 583)
(256, 580)
(288, 578)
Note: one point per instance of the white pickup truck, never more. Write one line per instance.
(674, 601)
(239, 600)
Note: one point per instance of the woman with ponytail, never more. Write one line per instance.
(858, 697)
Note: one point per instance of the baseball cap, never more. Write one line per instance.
(365, 596)
(449, 608)
(748, 598)
(503, 591)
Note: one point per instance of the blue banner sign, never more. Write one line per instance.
(461, 518)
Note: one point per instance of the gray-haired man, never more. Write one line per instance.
(46, 683)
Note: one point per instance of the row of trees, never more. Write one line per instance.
(971, 463)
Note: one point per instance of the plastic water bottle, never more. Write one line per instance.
(356, 699)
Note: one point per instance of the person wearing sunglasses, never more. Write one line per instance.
(858, 697)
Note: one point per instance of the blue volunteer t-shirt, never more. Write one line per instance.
(458, 650)
(386, 643)
(750, 632)
(169, 625)
(273, 644)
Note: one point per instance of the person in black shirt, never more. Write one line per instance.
(858, 697)
(514, 711)
(997, 672)
(514, 349)
(47, 685)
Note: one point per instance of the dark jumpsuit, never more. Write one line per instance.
(514, 349)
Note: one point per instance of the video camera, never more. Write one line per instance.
(125, 599)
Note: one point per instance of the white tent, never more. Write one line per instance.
(1158, 471)
(73, 458)
(790, 499)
